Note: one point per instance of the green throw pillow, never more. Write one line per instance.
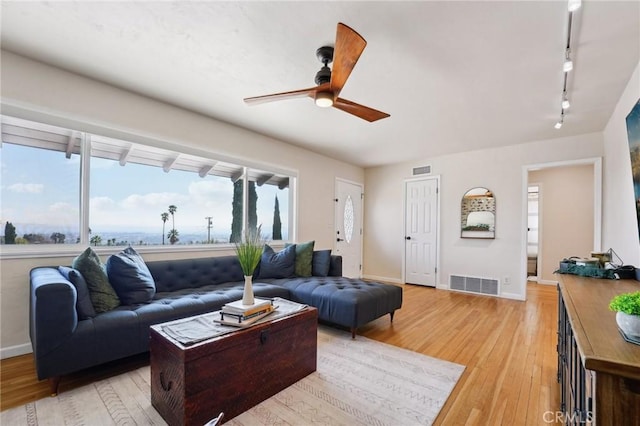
(102, 295)
(304, 258)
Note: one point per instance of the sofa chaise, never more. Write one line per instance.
(64, 343)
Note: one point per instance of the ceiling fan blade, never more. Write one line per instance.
(358, 110)
(349, 46)
(311, 92)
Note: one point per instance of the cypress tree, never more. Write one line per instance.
(236, 212)
(277, 223)
(9, 233)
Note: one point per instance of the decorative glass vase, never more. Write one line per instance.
(247, 294)
(630, 324)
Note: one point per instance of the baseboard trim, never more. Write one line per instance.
(513, 296)
(442, 287)
(547, 282)
(17, 350)
(387, 279)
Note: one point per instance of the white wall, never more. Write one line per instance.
(499, 170)
(620, 227)
(37, 91)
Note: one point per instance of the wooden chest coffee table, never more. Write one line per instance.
(231, 373)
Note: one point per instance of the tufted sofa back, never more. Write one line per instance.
(172, 275)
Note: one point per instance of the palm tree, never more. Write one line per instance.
(164, 216)
(172, 211)
(173, 236)
(96, 240)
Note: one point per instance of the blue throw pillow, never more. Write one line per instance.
(84, 307)
(321, 263)
(130, 277)
(278, 265)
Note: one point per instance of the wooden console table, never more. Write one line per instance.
(599, 372)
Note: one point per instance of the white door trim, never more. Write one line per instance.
(404, 224)
(335, 225)
(596, 162)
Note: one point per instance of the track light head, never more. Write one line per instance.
(568, 63)
(574, 5)
(565, 101)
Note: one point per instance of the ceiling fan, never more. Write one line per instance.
(348, 48)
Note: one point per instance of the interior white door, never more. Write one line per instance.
(421, 221)
(348, 222)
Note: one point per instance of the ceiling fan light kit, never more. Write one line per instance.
(324, 99)
(349, 46)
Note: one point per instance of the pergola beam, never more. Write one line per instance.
(284, 183)
(205, 170)
(236, 176)
(168, 165)
(263, 179)
(124, 157)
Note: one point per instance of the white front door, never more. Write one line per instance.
(348, 222)
(421, 222)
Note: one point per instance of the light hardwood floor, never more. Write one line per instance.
(507, 346)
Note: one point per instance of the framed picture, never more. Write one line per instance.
(633, 133)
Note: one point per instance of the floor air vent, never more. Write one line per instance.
(474, 284)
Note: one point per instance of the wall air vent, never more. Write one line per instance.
(474, 284)
(423, 170)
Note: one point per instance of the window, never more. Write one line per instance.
(137, 194)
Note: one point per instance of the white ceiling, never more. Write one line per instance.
(455, 76)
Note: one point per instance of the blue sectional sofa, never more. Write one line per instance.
(64, 343)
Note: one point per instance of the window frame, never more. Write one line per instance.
(243, 167)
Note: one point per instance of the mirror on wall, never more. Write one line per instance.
(478, 218)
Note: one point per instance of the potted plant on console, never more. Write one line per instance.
(249, 251)
(627, 306)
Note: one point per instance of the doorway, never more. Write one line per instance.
(570, 213)
(348, 222)
(421, 231)
(533, 231)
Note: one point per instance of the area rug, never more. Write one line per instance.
(358, 382)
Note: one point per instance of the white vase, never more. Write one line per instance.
(247, 294)
(630, 324)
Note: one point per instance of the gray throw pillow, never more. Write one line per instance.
(84, 307)
(130, 277)
(103, 296)
(321, 263)
(278, 265)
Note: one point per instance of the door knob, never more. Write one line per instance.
(407, 238)
(339, 239)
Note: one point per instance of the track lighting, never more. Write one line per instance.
(568, 63)
(574, 5)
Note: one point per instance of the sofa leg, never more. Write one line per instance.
(391, 314)
(353, 332)
(53, 385)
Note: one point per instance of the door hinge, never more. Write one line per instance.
(362, 195)
(436, 270)
(361, 267)
(437, 190)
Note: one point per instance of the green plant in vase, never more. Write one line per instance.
(249, 251)
(627, 308)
